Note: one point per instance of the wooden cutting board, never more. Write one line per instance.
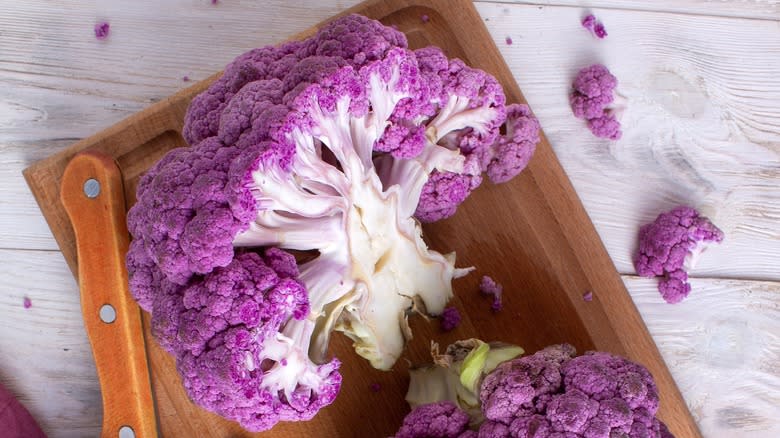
(531, 234)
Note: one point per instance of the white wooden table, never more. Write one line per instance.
(702, 80)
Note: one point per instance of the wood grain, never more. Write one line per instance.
(557, 252)
(21, 222)
(726, 335)
(111, 316)
(700, 127)
(756, 9)
(58, 84)
(46, 358)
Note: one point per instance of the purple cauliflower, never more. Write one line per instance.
(435, 420)
(333, 147)
(354, 40)
(450, 319)
(549, 394)
(594, 89)
(671, 245)
(235, 335)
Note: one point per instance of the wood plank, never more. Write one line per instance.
(556, 251)
(21, 224)
(756, 9)
(47, 360)
(723, 345)
(701, 124)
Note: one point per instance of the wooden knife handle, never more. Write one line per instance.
(93, 196)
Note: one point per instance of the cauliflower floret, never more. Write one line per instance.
(671, 245)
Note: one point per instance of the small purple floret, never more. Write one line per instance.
(670, 242)
(27, 302)
(594, 89)
(435, 420)
(101, 30)
(606, 126)
(450, 319)
(488, 286)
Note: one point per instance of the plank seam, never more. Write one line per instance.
(614, 8)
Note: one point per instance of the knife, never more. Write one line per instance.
(92, 193)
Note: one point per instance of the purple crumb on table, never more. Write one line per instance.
(284, 362)
(27, 302)
(375, 387)
(508, 41)
(589, 22)
(425, 18)
(588, 296)
(595, 27)
(185, 79)
(450, 319)
(488, 286)
(101, 30)
(600, 31)
(214, 2)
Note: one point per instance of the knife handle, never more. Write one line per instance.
(93, 196)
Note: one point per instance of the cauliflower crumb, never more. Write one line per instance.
(185, 78)
(450, 319)
(587, 296)
(425, 18)
(488, 286)
(101, 30)
(375, 387)
(508, 41)
(600, 30)
(27, 302)
(595, 27)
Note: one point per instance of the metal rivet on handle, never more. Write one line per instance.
(126, 432)
(108, 315)
(92, 188)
